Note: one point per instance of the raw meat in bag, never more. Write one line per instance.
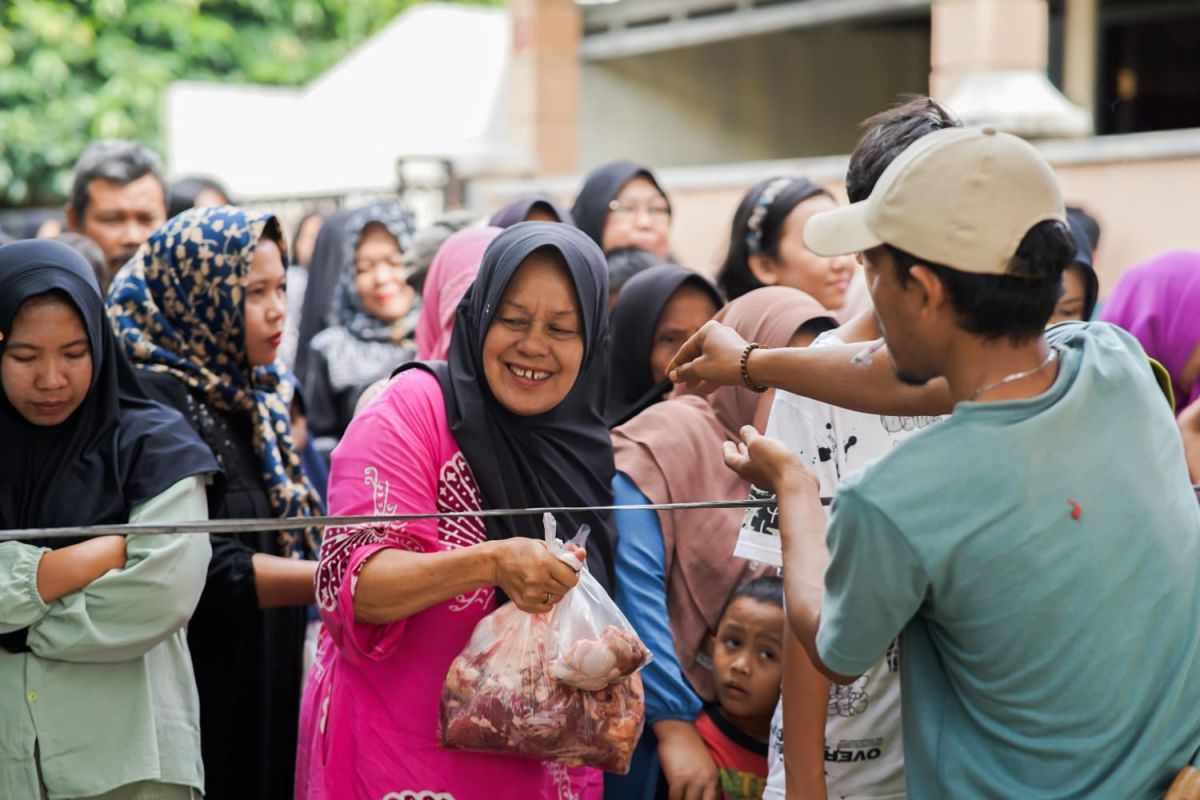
(561, 686)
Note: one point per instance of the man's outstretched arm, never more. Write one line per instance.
(712, 358)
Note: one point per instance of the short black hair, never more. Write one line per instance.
(625, 262)
(183, 193)
(1015, 306)
(117, 160)
(887, 135)
(816, 326)
(735, 277)
(765, 589)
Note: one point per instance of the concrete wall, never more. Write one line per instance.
(1140, 187)
(783, 95)
(1145, 209)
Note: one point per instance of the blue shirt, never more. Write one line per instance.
(642, 597)
(1040, 557)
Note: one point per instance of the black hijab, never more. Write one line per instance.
(601, 187)
(517, 210)
(562, 457)
(632, 387)
(324, 273)
(1083, 259)
(118, 449)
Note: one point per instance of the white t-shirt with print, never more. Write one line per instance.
(864, 751)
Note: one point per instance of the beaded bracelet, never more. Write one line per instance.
(750, 348)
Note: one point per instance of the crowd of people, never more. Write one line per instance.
(979, 575)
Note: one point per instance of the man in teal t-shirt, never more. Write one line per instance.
(1039, 549)
(1041, 557)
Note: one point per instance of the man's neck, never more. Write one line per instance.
(977, 369)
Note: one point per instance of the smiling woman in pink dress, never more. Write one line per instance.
(512, 419)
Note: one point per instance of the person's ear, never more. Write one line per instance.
(930, 292)
(708, 646)
(763, 269)
(72, 223)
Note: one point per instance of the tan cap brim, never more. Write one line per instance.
(841, 231)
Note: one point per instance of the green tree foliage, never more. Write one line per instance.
(75, 70)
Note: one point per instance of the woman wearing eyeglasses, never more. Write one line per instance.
(622, 205)
(376, 311)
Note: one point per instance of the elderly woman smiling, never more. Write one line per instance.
(511, 419)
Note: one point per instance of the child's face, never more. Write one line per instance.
(747, 657)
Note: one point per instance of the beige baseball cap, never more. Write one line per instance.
(960, 197)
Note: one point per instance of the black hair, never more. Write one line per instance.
(735, 277)
(816, 326)
(183, 193)
(117, 160)
(887, 135)
(273, 230)
(1014, 306)
(625, 262)
(765, 589)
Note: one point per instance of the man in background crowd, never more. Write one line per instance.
(118, 198)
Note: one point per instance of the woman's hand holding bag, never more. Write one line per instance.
(559, 684)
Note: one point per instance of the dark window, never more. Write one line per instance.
(1149, 65)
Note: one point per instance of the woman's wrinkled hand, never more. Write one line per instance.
(533, 578)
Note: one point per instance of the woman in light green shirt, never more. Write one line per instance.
(97, 697)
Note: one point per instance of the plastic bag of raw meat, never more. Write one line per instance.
(593, 645)
(561, 686)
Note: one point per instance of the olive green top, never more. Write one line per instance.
(106, 694)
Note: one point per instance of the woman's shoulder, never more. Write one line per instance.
(327, 338)
(415, 386)
(411, 403)
(673, 412)
(164, 388)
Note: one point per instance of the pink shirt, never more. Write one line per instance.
(370, 713)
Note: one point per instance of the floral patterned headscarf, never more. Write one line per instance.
(348, 309)
(177, 308)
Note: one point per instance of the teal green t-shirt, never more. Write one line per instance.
(1042, 559)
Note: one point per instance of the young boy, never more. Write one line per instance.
(747, 654)
(862, 758)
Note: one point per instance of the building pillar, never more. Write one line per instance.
(1079, 53)
(988, 64)
(545, 82)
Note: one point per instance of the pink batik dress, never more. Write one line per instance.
(370, 713)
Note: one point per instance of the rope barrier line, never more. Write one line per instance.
(229, 526)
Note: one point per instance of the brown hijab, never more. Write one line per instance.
(672, 452)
